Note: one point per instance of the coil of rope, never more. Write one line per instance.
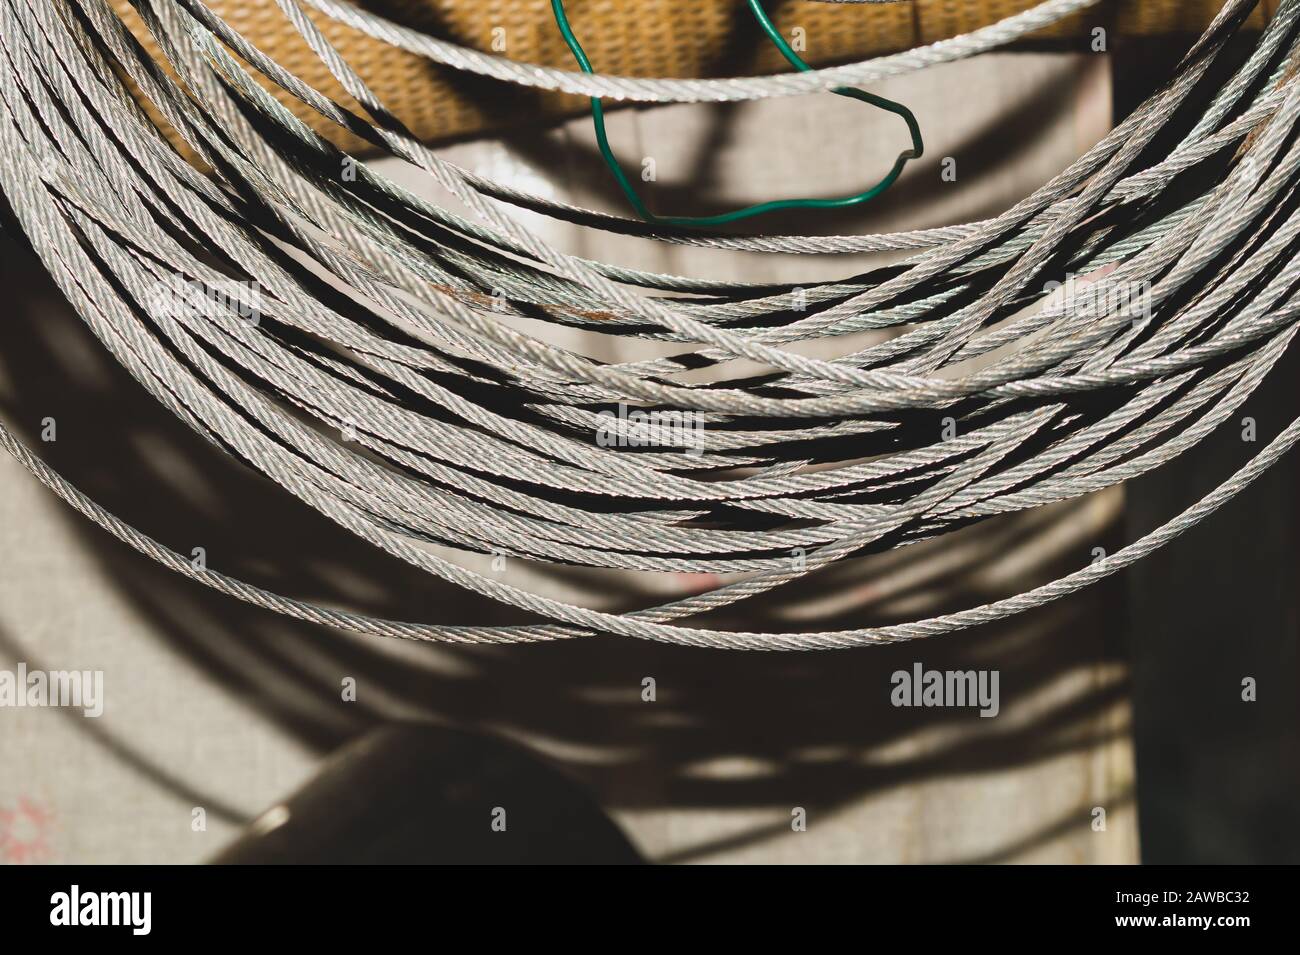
(418, 414)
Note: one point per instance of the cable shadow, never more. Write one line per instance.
(124, 752)
(522, 120)
(727, 730)
(695, 190)
(1045, 835)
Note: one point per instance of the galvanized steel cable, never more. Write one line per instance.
(467, 431)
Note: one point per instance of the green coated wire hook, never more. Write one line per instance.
(696, 222)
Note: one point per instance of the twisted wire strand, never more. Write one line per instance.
(468, 431)
(662, 90)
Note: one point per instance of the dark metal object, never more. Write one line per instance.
(413, 793)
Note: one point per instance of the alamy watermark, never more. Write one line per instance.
(82, 689)
(129, 909)
(638, 428)
(178, 295)
(946, 688)
(1097, 296)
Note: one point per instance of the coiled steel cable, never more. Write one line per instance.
(467, 432)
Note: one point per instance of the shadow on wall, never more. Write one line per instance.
(702, 191)
(705, 191)
(727, 729)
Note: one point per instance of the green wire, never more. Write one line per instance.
(756, 8)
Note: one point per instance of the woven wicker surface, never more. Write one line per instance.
(631, 37)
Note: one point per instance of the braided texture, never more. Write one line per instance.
(393, 371)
